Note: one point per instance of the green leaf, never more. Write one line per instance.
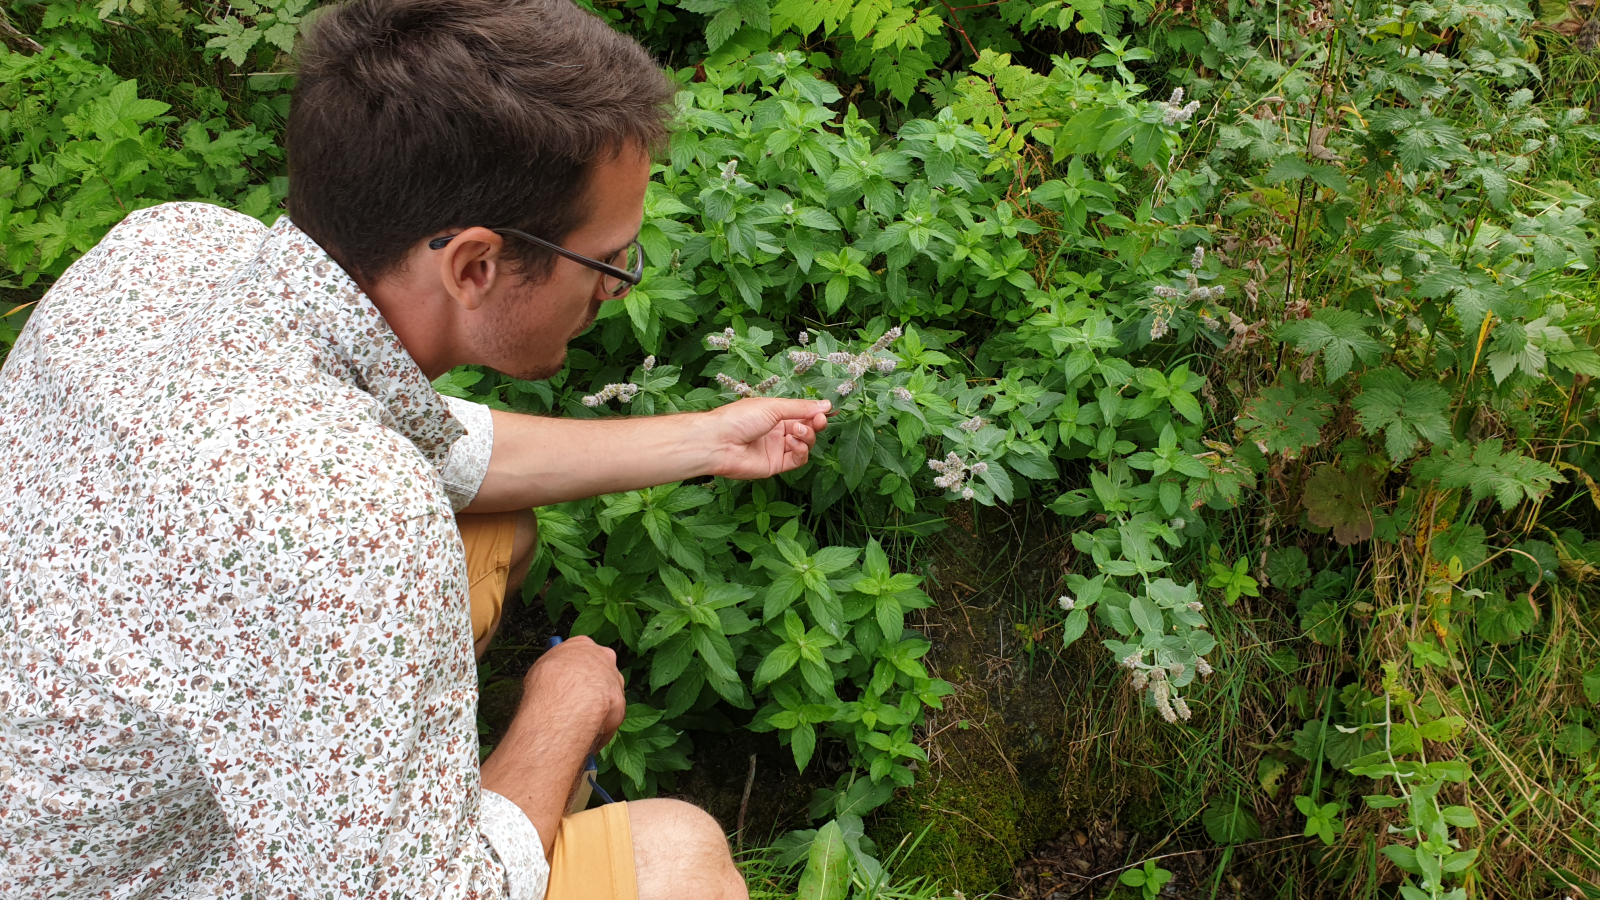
(1338, 334)
(1076, 624)
(1574, 740)
(827, 872)
(1591, 685)
(834, 559)
(1342, 501)
(1465, 542)
(1229, 820)
(1288, 418)
(1147, 616)
(1287, 568)
(779, 661)
(1489, 469)
(803, 742)
(1406, 411)
(1504, 620)
(856, 443)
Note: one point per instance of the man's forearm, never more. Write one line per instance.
(540, 460)
(538, 764)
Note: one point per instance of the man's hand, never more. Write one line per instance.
(760, 437)
(578, 677)
(572, 703)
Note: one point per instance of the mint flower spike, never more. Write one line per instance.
(846, 388)
(1161, 693)
(805, 338)
(973, 425)
(901, 393)
(1201, 666)
(953, 474)
(1067, 602)
(721, 341)
(624, 392)
(733, 384)
(1174, 111)
(743, 389)
(888, 338)
(648, 364)
(803, 360)
(1199, 257)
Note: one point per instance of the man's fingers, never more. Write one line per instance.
(799, 451)
(803, 432)
(799, 409)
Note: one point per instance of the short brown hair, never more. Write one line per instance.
(410, 117)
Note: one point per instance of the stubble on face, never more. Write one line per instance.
(512, 339)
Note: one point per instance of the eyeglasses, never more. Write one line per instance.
(622, 271)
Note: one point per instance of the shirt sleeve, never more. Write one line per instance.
(341, 746)
(468, 462)
(516, 841)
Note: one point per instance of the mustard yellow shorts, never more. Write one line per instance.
(490, 539)
(593, 857)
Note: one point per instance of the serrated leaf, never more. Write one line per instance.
(1288, 418)
(1489, 469)
(1462, 541)
(1502, 619)
(1335, 333)
(1574, 740)
(1343, 501)
(1405, 410)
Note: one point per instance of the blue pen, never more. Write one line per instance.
(590, 768)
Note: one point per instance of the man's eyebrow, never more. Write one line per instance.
(611, 253)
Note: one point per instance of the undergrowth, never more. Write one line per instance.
(1280, 316)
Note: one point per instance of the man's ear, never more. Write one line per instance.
(470, 264)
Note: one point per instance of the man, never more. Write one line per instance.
(238, 607)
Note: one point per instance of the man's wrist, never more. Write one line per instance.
(705, 448)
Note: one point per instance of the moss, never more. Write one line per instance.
(978, 827)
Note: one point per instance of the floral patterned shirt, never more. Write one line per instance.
(235, 643)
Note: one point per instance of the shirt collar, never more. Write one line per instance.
(318, 296)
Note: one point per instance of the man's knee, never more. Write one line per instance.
(681, 852)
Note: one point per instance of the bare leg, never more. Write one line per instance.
(681, 853)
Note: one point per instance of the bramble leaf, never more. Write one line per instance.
(1406, 411)
(1504, 620)
(1287, 418)
(1489, 469)
(1338, 335)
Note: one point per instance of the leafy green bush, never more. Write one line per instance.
(83, 149)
